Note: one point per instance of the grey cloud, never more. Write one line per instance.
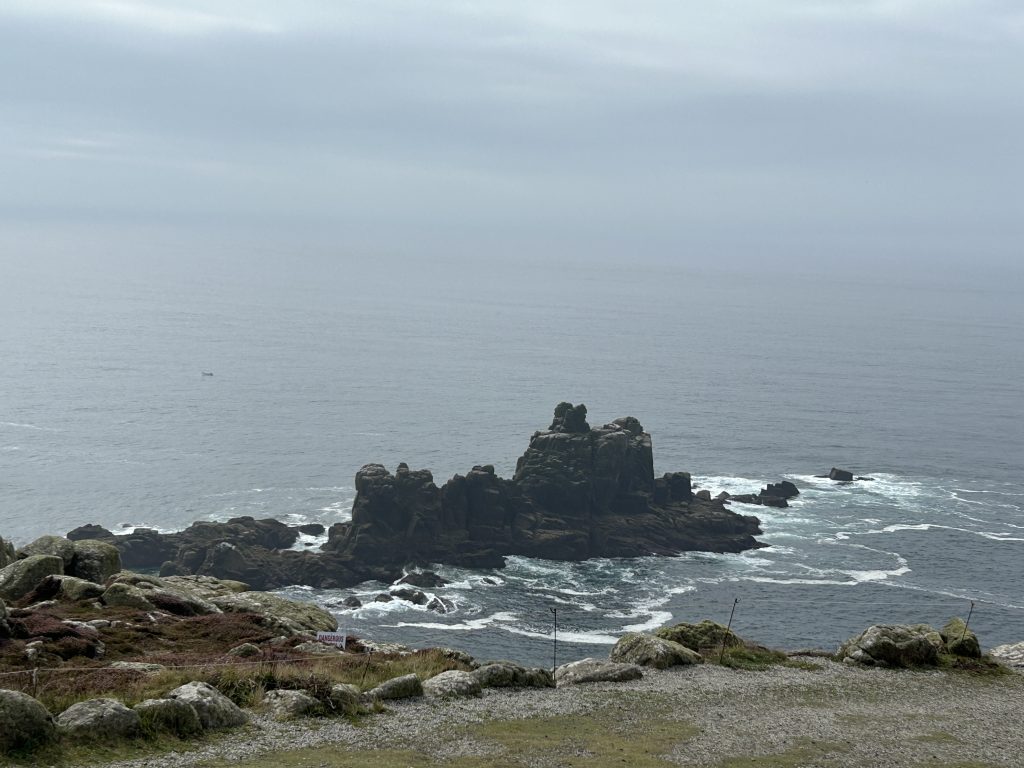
(721, 126)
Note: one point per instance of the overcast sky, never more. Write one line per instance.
(815, 129)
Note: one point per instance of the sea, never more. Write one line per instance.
(743, 375)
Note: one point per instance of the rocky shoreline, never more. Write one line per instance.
(98, 654)
(578, 492)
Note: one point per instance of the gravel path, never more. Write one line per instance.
(842, 716)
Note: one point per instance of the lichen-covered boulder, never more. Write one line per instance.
(344, 698)
(20, 577)
(286, 704)
(507, 674)
(126, 596)
(404, 687)
(74, 588)
(959, 640)
(651, 651)
(7, 555)
(180, 599)
(95, 560)
(287, 616)
(1010, 654)
(451, 684)
(696, 637)
(5, 628)
(245, 650)
(215, 710)
(51, 545)
(894, 645)
(205, 587)
(99, 719)
(170, 715)
(596, 671)
(24, 722)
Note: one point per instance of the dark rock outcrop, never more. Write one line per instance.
(841, 475)
(578, 492)
(783, 490)
(772, 495)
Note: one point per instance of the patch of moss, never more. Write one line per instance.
(700, 637)
(804, 752)
(747, 657)
(937, 737)
(983, 666)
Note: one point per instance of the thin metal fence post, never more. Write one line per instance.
(968, 622)
(365, 667)
(554, 644)
(728, 629)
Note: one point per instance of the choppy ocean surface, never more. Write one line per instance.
(323, 365)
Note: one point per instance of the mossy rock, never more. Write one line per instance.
(959, 640)
(697, 637)
(95, 561)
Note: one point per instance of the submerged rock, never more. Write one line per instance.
(424, 580)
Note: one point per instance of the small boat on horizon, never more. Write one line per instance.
(207, 373)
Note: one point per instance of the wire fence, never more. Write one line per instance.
(735, 609)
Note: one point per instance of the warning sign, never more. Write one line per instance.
(332, 638)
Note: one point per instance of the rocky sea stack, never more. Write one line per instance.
(578, 492)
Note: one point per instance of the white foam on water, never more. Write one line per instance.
(581, 638)
(681, 590)
(127, 528)
(874, 575)
(472, 624)
(658, 619)
(583, 606)
(729, 483)
(990, 535)
(11, 448)
(792, 581)
(33, 427)
(309, 543)
(341, 510)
